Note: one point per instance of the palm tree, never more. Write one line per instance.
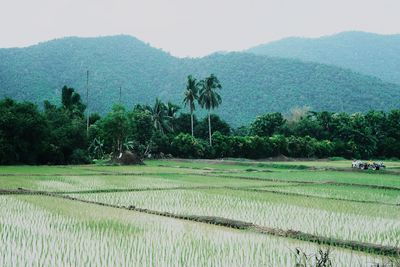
(209, 97)
(159, 116)
(172, 112)
(172, 109)
(96, 148)
(191, 95)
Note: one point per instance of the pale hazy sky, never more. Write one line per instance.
(193, 27)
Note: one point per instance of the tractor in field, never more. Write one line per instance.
(367, 165)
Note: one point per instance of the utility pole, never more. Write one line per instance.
(120, 90)
(87, 103)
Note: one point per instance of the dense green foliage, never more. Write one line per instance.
(252, 85)
(22, 131)
(57, 135)
(371, 54)
(267, 124)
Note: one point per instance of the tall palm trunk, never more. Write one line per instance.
(191, 119)
(209, 127)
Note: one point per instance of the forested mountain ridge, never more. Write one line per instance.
(372, 54)
(252, 84)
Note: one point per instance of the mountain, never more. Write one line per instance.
(367, 53)
(252, 84)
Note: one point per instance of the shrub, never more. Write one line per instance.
(186, 146)
(79, 156)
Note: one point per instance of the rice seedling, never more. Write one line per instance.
(38, 231)
(98, 181)
(51, 231)
(369, 223)
(343, 192)
(321, 176)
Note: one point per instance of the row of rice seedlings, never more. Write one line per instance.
(104, 182)
(43, 170)
(331, 176)
(344, 192)
(369, 223)
(87, 235)
(77, 183)
(148, 168)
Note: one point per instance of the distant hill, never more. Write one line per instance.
(367, 53)
(252, 84)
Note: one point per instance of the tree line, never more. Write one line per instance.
(58, 135)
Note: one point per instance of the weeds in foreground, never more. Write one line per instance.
(320, 259)
(390, 262)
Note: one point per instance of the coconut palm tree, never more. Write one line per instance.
(172, 112)
(159, 116)
(191, 95)
(172, 109)
(209, 97)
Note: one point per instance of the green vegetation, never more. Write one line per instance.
(57, 135)
(361, 194)
(209, 97)
(373, 223)
(56, 226)
(368, 53)
(66, 233)
(191, 95)
(269, 84)
(329, 176)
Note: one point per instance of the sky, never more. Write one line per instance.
(193, 27)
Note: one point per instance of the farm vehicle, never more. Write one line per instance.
(367, 165)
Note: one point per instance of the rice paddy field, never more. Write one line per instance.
(200, 213)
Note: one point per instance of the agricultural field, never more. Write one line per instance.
(200, 213)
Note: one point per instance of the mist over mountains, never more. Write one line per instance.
(368, 53)
(252, 84)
